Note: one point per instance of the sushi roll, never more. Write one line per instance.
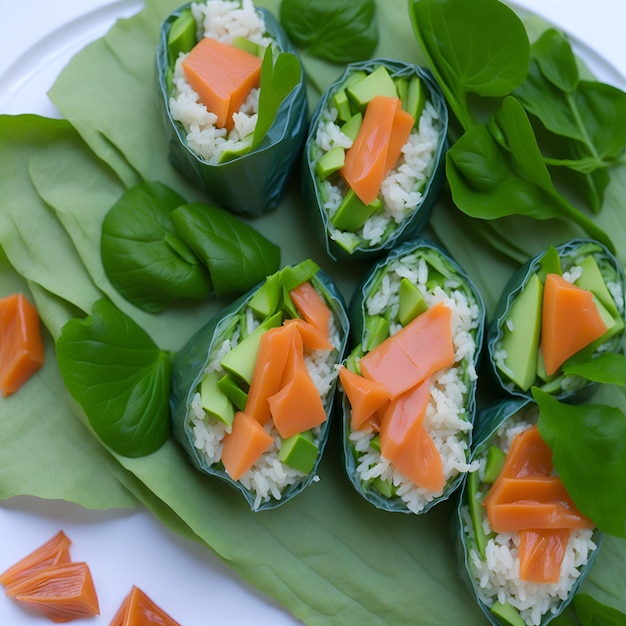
(233, 97)
(562, 310)
(408, 386)
(374, 157)
(252, 391)
(525, 548)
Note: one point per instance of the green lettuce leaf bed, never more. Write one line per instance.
(328, 556)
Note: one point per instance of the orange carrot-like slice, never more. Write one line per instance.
(526, 498)
(533, 502)
(312, 337)
(402, 126)
(384, 130)
(274, 349)
(414, 353)
(21, 343)
(63, 592)
(297, 407)
(570, 321)
(223, 76)
(405, 442)
(541, 554)
(528, 455)
(244, 445)
(138, 609)
(312, 307)
(365, 397)
(53, 552)
(506, 517)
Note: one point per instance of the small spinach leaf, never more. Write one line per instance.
(238, 256)
(479, 47)
(498, 170)
(339, 31)
(608, 368)
(119, 377)
(588, 444)
(556, 60)
(589, 113)
(278, 79)
(142, 255)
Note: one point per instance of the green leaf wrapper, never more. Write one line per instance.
(314, 195)
(591, 362)
(253, 183)
(192, 360)
(443, 274)
(487, 424)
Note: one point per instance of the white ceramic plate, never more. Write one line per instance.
(193, 585)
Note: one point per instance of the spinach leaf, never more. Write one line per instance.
(237, 256)
(119, 377)
(142, 255)
(479, 47)
(339, 31)
(497, 170)
(608, 368)
(278, 79)
(588, 112)
(590, 612)
(588, 445)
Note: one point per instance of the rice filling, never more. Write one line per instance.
(446, 420)
(222, 20)
(269, 477)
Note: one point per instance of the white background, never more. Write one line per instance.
(185, 580)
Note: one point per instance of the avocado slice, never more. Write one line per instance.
(266, 299)
(592, 280)
(239, 362)
(549, 263)
(352, 360)
(292, 276)
(299, 452)
(214, 401)
(229, 387)
(494, 463)
(402, 88)
(385, 487)
(330, 162)
(352, 126)
(412, 302)
(242, 147)
(376, 331)
(378, 83)
(182, 35)
(476, 512)
(342, 104)
(248, 46)
(416, 99)
(507, 614)
(521, 333)
(352, 213)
